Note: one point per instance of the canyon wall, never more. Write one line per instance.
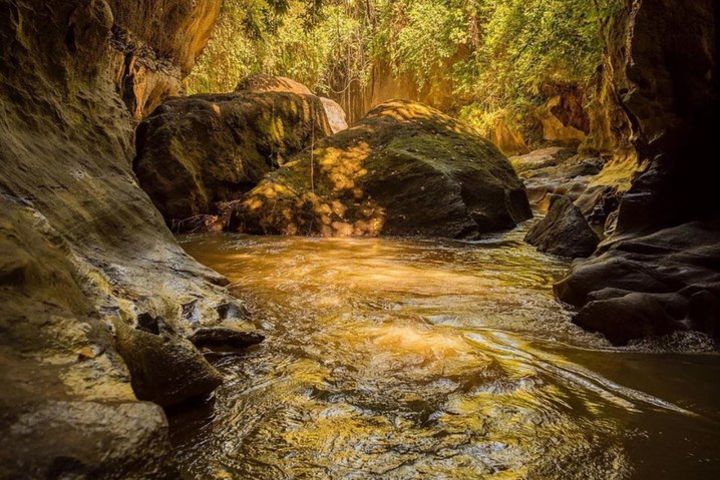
(84, 251)
(659, 272)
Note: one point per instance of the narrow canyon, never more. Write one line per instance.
(354, 259)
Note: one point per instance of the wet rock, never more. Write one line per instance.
(164, 368)
(86, 439)
(80, 242)
(224, 339)
(232, 311)
(675, 270)
(76, 414)
(555, 170)
(564, 231)
(196, 152)
(629, 317)
(405, 169)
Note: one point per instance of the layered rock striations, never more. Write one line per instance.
(84, 251)
(658, 273)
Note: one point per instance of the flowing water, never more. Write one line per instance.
(412, 359)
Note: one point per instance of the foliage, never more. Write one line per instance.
(494, 54)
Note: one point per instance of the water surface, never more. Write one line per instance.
(413, 359)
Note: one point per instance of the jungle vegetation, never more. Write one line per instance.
(494, 55)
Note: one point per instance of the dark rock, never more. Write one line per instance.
(405, 169)
(677, 270)
(626, 318)
(666, 88)
(224, 339)
(564, 231)
(165, 368)
(86, 439)
(195, 152)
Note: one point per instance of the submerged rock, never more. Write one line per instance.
(564, 231)
(164, 367)
(195, 152)
(405, 169)
(224, 339)
(650, 285)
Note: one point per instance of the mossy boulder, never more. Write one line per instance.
(405, 169)
(261, 82)
(196, 152)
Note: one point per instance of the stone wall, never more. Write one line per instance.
(83, 248)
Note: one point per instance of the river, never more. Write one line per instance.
(420, 359)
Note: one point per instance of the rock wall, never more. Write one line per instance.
(83, 249)
(156, 43)
(663, 70)
(672, 100)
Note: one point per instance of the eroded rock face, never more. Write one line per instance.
(155, 45)
(666, 85)
(196, 152)
(405, 169)
(564, 231)
(82, 245)
(563, 116)
(674, 271)
(164, 367)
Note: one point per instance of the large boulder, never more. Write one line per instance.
(335, 115)
(564, 231)
(261, 82)
(405, 169)
(650, 285)
(195, 152)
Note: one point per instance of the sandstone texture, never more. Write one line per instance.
(405, 169)
(83, 248)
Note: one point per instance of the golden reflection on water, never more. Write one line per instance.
(416, 359)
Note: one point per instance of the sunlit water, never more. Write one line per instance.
(408, 359)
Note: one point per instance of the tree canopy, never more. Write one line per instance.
(495, 54)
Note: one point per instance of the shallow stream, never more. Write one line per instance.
(413, 359)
